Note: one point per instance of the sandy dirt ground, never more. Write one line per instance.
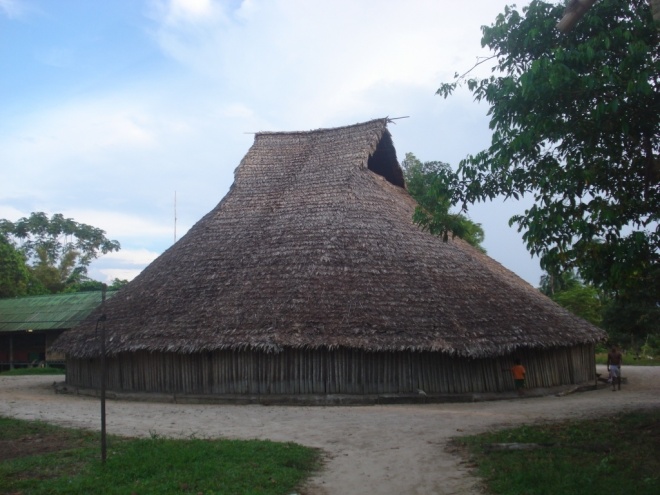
(382, 449)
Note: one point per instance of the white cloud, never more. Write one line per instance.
(12, 8)
(114, 157)
(125, 264)
(118, 226)
(109, 274)
(311, 63)
(11, 213)
(192, 8)
(81, 147)
(66, 144)
(191, 18)
(131, 257)
(121, 225)
(56, 57)
(238, 110)
(88, 126)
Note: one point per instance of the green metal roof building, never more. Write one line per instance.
(29, 325)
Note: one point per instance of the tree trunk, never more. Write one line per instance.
(655, 8)
(575, 9)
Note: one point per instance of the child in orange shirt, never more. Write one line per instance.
(518, 372)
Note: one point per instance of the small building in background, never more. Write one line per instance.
(29, 325)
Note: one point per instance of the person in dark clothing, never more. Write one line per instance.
(614, 362)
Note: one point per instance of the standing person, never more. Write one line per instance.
(614, 362)
(518, 371)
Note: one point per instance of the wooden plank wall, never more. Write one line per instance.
(344, 371)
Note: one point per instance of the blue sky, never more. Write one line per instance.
(108, 109)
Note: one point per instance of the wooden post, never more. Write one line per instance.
(11, 352)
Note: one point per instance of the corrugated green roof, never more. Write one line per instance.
(50, 312)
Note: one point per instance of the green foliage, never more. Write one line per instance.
(89, 285)
(149, 465)
(614, 455)
(632, 358)
(576, 125)
(427, 184)
(118, 283)
(47, 370)
(651, 347)
(552, 283)
(14, 273)
(568, 290)
(583, 301)
(86, 286)
(627, 321)
(58, 250)
(13, 429)
(630, 320)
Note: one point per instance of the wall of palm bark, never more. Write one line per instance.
(342, 371)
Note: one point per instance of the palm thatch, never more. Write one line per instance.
(314, 248)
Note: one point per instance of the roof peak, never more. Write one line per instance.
(380, 121)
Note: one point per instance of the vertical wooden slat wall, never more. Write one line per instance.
(342, 371)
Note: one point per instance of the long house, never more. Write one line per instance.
(310, 277)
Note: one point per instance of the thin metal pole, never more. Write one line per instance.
(103, 376)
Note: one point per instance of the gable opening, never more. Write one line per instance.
(384, 163)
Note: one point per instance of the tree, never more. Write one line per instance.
(58, 250)
(95, 285)
(118, 283)
(559, 282)
(14, 273)
(626, 321)
(576, 125)
(633, 317)
(581, 299)
(425, 183)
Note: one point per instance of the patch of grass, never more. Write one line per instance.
(629, 360)
(33, 371)
(13, 429)
(614, 455)
(148, 465)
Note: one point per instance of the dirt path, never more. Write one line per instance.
(396, 449)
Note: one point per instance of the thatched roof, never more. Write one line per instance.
(314, 247)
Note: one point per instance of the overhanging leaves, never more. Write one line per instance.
(576, 125)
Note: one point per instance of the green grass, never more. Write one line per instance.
(149, 465)
(629, 360)
(33, 371)
(615, 455)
